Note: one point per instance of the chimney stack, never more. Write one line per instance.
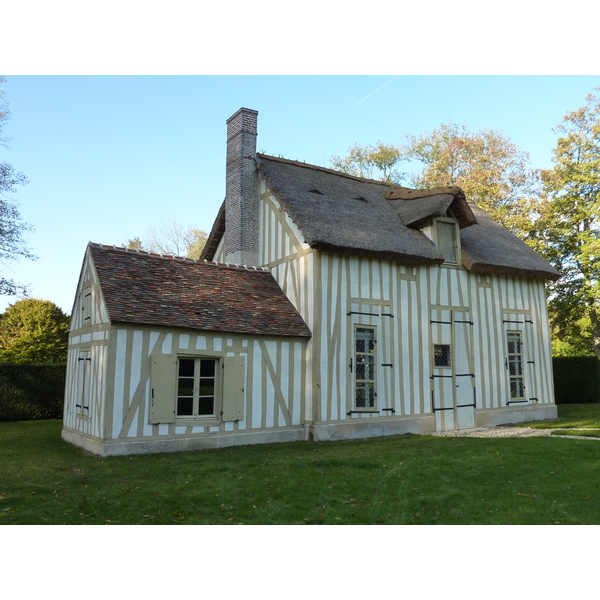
(241, 190)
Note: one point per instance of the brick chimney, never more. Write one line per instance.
(241, 190)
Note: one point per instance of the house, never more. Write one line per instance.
(324, 307)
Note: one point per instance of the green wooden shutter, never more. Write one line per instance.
(233, 388)
(162, 392)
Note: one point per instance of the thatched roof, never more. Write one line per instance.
(490, 248)
(340, 213)
(151, 289)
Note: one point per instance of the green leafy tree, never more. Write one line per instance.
(12, 228)
(492, 172)
(33, 331)
(568, 227)
(487, 166)
(171, 238)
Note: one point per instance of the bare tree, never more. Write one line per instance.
(171, 238)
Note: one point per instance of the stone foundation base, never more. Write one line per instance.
(515, 414)
(367, 428)
(347, 430)
(182, 444)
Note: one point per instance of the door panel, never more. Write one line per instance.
(453, 381)
(464, 378)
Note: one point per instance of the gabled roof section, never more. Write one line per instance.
(151, 289)
(489, 248)
(341, 213)
(416, 207)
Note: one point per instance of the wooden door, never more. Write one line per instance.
(453, 380)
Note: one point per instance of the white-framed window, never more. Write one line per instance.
(365, 361)
(191, 388)
(197, 388)
(514, 365)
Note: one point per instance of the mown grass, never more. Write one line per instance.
(398, 480)
(573, 419)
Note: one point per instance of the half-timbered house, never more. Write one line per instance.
(325, 306)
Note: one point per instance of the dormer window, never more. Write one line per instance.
(447, 238)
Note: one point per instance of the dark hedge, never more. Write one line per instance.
(30, 392)
(576, 379)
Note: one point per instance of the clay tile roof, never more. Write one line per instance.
(150, 289)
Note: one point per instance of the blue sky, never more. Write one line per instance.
(110, 156)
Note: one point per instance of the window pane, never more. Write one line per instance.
(185, 406)
(516, 388)
(186, 367)
(514, 343)
(207, 368)
(365, 339)
(206, 406)
(515, 366)
(360, 367)
(185, 387)
(441, 355)
(369, 365)
(365, 395)
(207, 387)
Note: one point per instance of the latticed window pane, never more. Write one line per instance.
(441, 355)
(514, 343)
(515, 366)
(517, 390)
(365, 395)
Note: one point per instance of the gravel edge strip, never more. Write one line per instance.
(504, 431)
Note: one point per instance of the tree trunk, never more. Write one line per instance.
(595, 331)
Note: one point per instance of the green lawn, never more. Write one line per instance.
(399, 480)
(573, 419)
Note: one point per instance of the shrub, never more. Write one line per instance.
(30, 392)
(576, 379)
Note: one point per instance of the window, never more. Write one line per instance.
(441, 355)
(188, 389)
(446, 239)
(515, 365)
(364, 360)
(196, 387)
